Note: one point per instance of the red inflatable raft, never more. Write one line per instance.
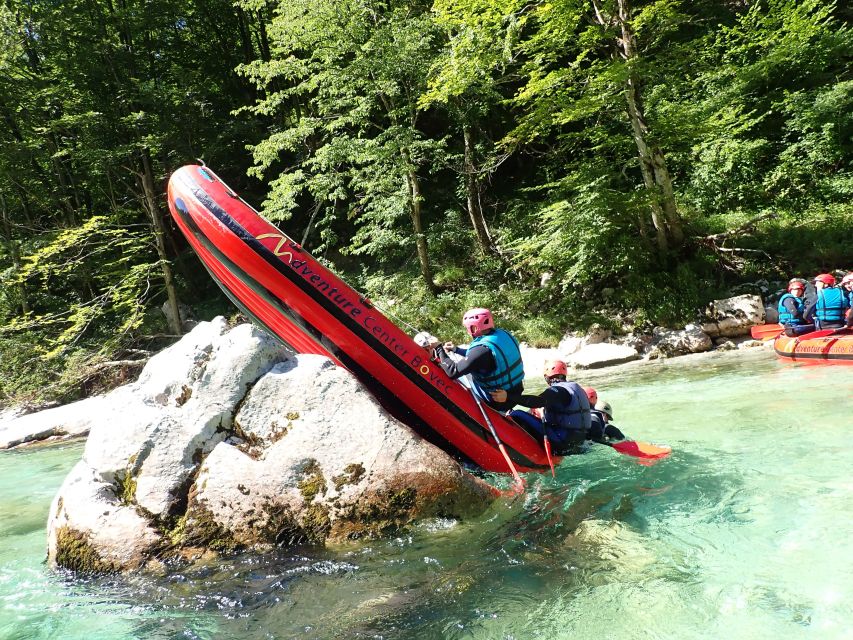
(838, 346)
(283, 289)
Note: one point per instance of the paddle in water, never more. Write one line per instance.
(519, 483)
(639, 449)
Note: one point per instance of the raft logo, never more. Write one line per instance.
(280, 247)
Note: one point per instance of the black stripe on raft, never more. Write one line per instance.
(385, 396)
(262, 251)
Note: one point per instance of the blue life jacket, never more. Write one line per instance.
(785, 316)
(574, 416)
(509, 370)
(831, 305)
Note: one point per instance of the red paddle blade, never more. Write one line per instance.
(766, 331)
(642, 449)
(548, 455)
(519, 483)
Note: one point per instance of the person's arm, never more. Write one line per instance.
(809, 312)
(547, 399)
(791, 306)
(478, 358)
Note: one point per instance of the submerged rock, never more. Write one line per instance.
(227, 441)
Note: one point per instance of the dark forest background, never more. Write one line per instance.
(563, 162)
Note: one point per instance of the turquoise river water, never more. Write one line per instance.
(746, 531)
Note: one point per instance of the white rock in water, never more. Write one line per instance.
(311, 456)
(322, 460)
(604, 354)
(733, 316)
(68, 421)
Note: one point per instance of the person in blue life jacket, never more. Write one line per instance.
(791, 307)
(566, 411)
(829, 309)
(847, 290)
(493, 359)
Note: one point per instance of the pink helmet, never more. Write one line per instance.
(796, 283)
(848, 278)
(476, 321)
(592, 394)
(555, 368)
(827, 278)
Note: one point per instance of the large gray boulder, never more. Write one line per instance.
(669, 343)
(604, 354)
(69, 421)
(733, 316)
(227, 441)
(318, 459)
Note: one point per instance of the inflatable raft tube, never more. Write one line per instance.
(836, 347)
(287, 292)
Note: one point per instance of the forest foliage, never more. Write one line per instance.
(563, 161)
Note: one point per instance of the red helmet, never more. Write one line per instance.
(555, 368)
(796, 283)
(476, 321)
(847, 278)
(827, 278)
(592, 394)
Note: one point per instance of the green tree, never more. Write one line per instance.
(343, 82)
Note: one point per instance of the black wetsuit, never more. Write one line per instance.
(480, 359)
(557, 401)
(601, 430)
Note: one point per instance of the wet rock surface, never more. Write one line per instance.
(228, 441)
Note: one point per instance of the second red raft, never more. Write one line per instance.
(835, 347)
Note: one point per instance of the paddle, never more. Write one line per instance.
(548, 455)
(639, 449)
(519, 483)
(766, 331)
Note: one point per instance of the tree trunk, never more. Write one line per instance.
(415, 200)
(656, 176)
(156, 214)
(472, 193)
(12, 247)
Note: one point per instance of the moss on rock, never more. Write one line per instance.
(351, 475)
(198, 528)
(75, 552)
(313, 483)
(126, 488)
(372, 516)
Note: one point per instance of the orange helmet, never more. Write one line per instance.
(592, 394)
(827, 278)
(555, 368)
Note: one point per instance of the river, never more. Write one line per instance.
(746, 531)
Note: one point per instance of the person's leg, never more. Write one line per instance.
(565, 443)
(529, 423)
